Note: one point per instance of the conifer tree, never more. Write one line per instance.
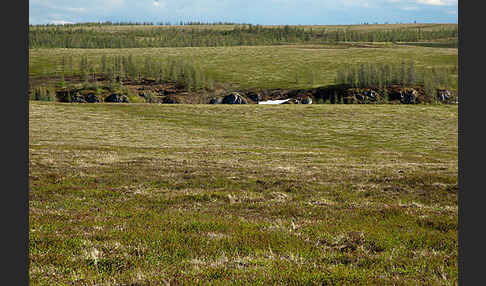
(70, 64)
(361, 76)
(411, 78)
(103, 64)
(402, 74)
(147, 70)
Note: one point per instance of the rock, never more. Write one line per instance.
(443, 94)
(114, 97)
(170, 100)
(234, 98)
(306, 100)
(408, 96)
(218, 100)
(77, 97)
(371, 94)
(92, 98)
(254, 96)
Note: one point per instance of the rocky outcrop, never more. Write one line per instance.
(443, 95)
(92, 98)
(370, 94)
(218, 100)
(253, 96)
(77, 98)
(234, 98)
(306, 100)
(360, 95)
(408, 96)
(170, 100)
(117, 98)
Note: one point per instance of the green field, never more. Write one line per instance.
(245, 194)
(264, 67)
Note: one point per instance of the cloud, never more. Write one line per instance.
(410, 8)
(437, 2)
(72, 9)
(60, 22)
(425, 2)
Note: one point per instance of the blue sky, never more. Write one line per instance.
(264, 12)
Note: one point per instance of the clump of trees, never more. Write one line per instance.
(406, 74)
(184, 72)
(43, 93)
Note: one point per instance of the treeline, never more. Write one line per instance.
(379, 75)
(184, 72)
(79, 37)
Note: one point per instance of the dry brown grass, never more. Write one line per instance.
(338, 194)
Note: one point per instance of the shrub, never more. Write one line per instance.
(43, 94)
(150, 97)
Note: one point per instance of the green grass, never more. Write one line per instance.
(262, 67)
(266, 195)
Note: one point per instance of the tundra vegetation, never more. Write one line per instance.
(247, 194)
(321, 194)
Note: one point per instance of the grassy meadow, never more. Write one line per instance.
(263, 67)
(148, 194)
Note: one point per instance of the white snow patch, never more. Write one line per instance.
(280, 101)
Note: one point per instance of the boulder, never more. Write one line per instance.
(218, 100)
(408, 96)
(117, 98)
(359, 96)
(306, 100)
(254, 96)
(370, 94)
(443, 95)
(77, 97)
(234, 98)
(92, 98)
(170, 100)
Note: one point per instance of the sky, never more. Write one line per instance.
(263, 12)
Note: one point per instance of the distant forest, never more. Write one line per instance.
(96, 35)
